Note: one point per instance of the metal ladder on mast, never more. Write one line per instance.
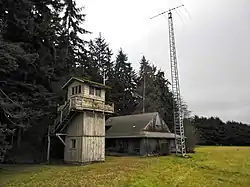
(178, 114)
(177, 106)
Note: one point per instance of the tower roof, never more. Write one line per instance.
(84, 80)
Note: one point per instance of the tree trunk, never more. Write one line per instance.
(19, 137)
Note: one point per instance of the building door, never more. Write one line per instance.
(164, 147)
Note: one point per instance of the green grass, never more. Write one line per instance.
(209, 166)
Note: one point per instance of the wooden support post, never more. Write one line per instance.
(61, 116)
(70, 103)
(48, 150)
(59, 136)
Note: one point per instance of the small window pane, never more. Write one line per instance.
(79, 89)
(98, 92)
(73, 90)
(73, 143)
(91, 90)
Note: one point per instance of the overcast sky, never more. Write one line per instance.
(212, 40)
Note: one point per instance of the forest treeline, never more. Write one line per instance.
(213, 131)
(42, 45)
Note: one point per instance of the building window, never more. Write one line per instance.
(73, 143)
(76, 90)
(91, 90)
(79, 89)
(98, 92)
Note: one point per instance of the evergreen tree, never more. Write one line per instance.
(74, 53)
(164, 98)
(100, 65)
(158, 98)
(145, 78)
(37, 47)
(123, 85)
(213, 131)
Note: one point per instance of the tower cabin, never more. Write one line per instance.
(80, 123)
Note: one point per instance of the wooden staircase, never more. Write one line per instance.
(74, 105)
(63, 119)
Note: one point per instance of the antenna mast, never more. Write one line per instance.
(177, 106)
(144, 89)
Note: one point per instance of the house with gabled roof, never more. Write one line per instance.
(139, 134)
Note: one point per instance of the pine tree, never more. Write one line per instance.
(158, 97)
(74, 53)
(34, 41)
(164, 98)
(100, 65)
(145, 78)
(123, 85)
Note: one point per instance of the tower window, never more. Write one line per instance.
(98, 92)
(91, 90)
(76, 90)
(73, 143)
(79, 89)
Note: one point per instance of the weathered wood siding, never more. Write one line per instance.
(81, 103)
(129, 146)
(74, 132)
(154, 146)
(73, 84)
(93, 149)
(76, 126)
(133, 146)
(88, 130)
(172, 145)
(94, 124)
(73, 154)
(157, 125)
(86, 93)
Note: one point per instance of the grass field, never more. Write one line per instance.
(209, 166)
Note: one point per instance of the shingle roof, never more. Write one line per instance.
(129, 125)
(133, 126)
(84, 80)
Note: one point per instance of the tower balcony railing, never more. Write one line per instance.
(85, 103)
(80, 103)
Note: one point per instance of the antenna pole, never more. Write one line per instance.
(177, 106)
(144, 89)
(104, 77)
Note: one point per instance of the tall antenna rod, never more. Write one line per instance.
(104, 71)
(144, 89)
(177, 106)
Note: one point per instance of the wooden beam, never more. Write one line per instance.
(48, 148)
(61, 116)
(59, 136)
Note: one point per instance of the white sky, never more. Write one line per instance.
(212, 45)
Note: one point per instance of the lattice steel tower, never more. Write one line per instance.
(178, 114)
